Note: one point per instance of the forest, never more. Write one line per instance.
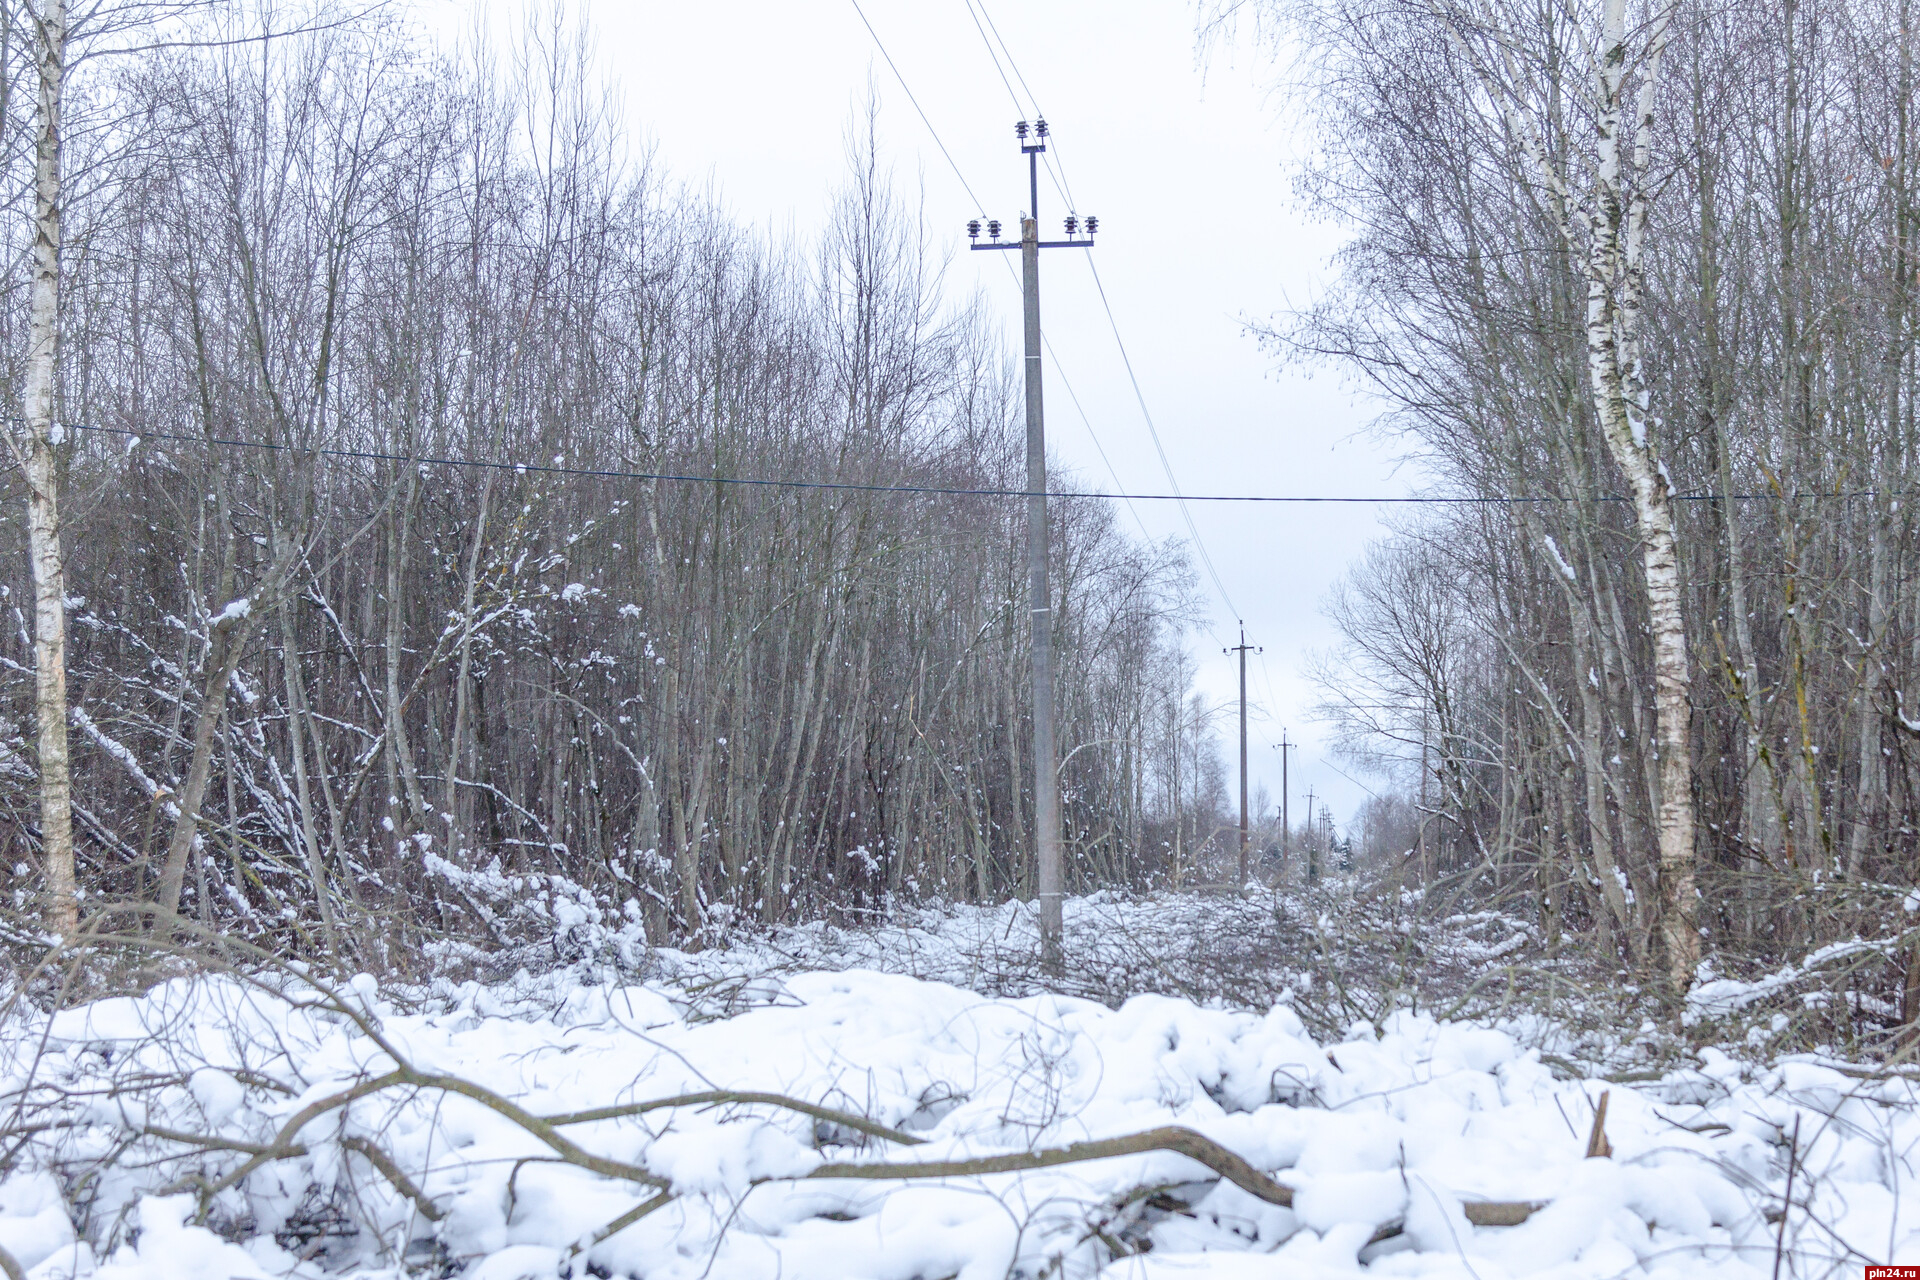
(410, 428)
(1649, 320)
(525, 748)
(366, 353)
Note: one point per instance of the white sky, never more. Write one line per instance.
(1184, 159)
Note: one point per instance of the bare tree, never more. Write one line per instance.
(39, 459)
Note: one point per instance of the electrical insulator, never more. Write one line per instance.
(1073, 224)
(1041, 128)
(993, 227)
(973, 229)
(1021, 129)
(1093, 224)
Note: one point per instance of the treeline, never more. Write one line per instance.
(1613, 259)
(329, 661)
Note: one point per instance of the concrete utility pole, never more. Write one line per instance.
(1046, 767)
(1241, 649)
(1426, 871)
(1313, 851)
(1286, 831)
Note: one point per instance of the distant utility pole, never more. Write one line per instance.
(1046, 768)
(1286, 831)
(1313, 852)
(1426, 871)
(1241, 649)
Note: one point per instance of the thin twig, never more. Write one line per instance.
(1786, 1202)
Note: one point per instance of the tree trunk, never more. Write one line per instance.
(1614, 284)
(454, 810)
(44, 435)
(399, 749)
(224, 648)
(303, 788)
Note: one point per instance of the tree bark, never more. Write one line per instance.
(224, 647)
(1614, 288)
(303, 787)
(42, 467)
(454, 810)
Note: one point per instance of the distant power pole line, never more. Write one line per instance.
(1426, 871)
(1313, 851)
(1286, 831)
(1046, 768)
(1241, 649)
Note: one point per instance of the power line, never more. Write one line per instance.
(1350, 778)
(775, 482)
(1017, 106)
(977, 10)
(1166, 466)
(1087, 422)
(1011, 60)
(1058, 368)
(1066, 194)
(1052, 161)
(1266, 678)
(978, 204)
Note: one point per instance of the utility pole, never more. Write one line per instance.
(1313, 853)
(1241, 649)
(1426, 871)
(1286, 831)
(1046, 768)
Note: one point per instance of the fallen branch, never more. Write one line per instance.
(1174, 1138)
(572, 1152)
(1598, 1148)
(848, 1119)
(395, 1175)
(621, 1223)
(284, 1145)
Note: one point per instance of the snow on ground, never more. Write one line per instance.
(187, 1133)
(1341, 952)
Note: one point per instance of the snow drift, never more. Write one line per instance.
(199, 1131)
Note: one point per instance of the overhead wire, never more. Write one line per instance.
(1098, 447)
(1126, 360)
(1027, 110)
(1011, 60)
(1060, 179)
(1058, 368)
(1017, 106)
(978, 204)
(780, 482)
(1266, 678)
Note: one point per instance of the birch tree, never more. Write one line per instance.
(39, 458)
(1559, 101)
(1606, 229)
(1712, 390)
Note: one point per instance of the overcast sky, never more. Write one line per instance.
(1185, 159)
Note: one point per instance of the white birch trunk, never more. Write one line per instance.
(1612, 247)
(1614, 285)
(43, 481)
